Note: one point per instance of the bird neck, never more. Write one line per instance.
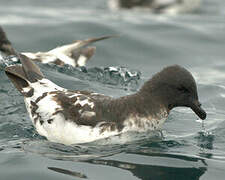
(154, 96)
(140, 104)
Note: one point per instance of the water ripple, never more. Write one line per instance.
(121, 77)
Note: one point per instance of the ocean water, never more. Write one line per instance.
(185, 149)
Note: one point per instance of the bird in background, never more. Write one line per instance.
(157, 6)
(75, 54)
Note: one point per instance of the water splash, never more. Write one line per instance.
(121, 77)
(8, 61)
(205, 139)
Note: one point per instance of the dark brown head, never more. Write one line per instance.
(174, 86)
(5, 44)
(134, 3)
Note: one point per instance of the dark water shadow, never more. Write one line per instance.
(161, 165)
(195, 170)
(163, 161)
(68, 172)
(153, 172)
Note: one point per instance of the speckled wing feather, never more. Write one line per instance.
(81, 107)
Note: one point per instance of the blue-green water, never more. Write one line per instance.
(147, 43)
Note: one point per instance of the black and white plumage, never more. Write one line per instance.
(70, 117)
(157, 6)
(75, 54)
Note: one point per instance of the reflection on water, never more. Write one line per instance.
(162, 163)
(192, 169)
(82, 152)
(162, 160)
(68, 172)
(148, 172)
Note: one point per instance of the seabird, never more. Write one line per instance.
(157, 6)
(75, 54)
(69, 117)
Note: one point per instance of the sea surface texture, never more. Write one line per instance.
(185, 149)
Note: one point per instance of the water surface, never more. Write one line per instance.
(147, 43)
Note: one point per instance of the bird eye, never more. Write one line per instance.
(183, 90)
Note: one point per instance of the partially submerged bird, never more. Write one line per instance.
(5, 44)
(157, 6)
(75, 54)
(70, 117)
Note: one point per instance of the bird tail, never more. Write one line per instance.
(22, 75)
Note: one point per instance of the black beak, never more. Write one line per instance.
(196, 107)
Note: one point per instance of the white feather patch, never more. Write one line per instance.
(82, 60)
(84, 102)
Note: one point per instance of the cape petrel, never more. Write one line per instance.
(70, 117)
(157, 6)
(75, 54)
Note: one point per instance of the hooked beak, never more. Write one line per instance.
(196, 107)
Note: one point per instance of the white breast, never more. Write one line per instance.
(137, 123)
